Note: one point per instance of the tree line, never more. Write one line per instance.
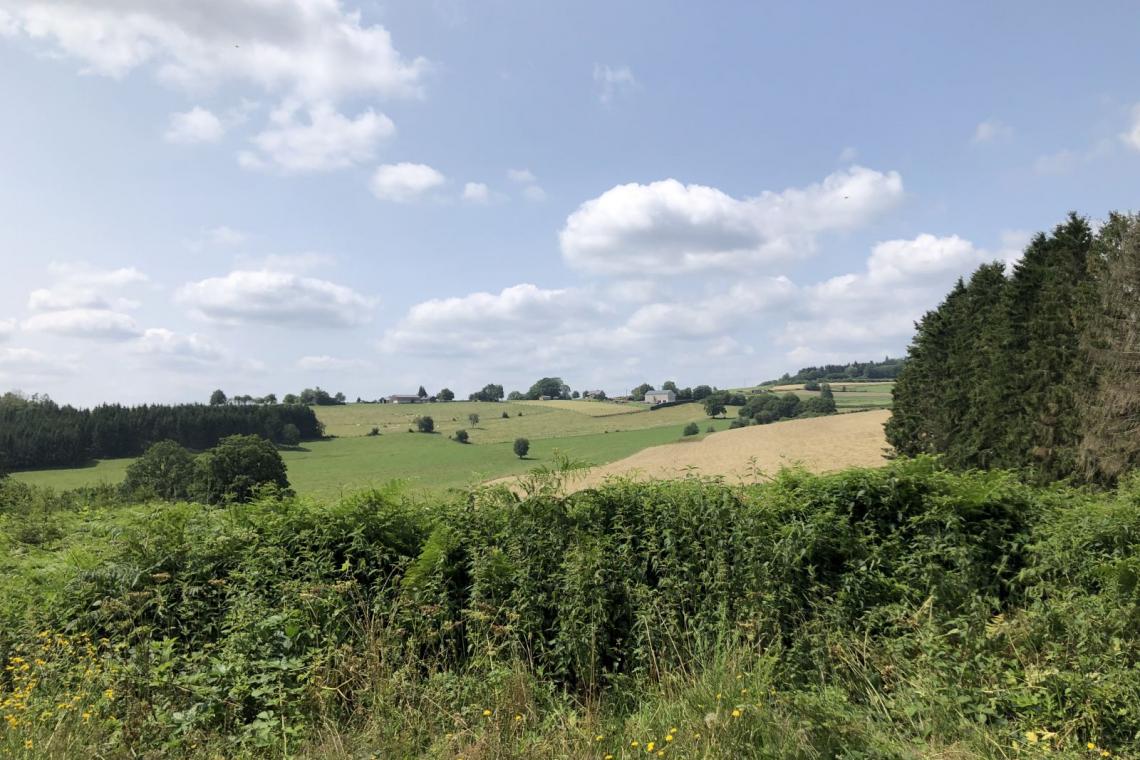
(36, 432)
(887, 369)
(1038, 370)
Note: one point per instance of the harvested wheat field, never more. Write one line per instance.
(821, 444)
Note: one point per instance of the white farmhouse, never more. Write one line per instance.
(654, 398)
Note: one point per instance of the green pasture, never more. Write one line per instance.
(434, 461)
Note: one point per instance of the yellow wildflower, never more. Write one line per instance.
(28, 744)
(518, 717)
(649, 747)
(669, 737)
(736, 713)
(86, 717)
(634, 744)
(1091, 745)
(109, 694)
(599, 737)
(486, 713)
(1031, 737)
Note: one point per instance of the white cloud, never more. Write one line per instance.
(193, 348)
(874, 311)
(521, 176)
(476, 192)
(298, 263)
(194, 126)
(530, 188)
(404, 182)
(991, 131)
(669, 228)
(1131, 138)
(327, 140)
(329, 364)
(275, 298)
(17, 363)
(83, 303)
(612, 80)
(103, 324)
(223, 235)
(716, 314)
(848, 155)
(1060, 162)
(312, 50)
(79, 272)
(515, 325)
(7, 328)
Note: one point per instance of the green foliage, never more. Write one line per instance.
(490, 392)
(887, 369)
(461, 436)
(896, 613)
(290, 435)
(424, 424)
(217, 398)
(165, 471)
(446, 395)
(521, 447)
(237, 468)
(1004, 372)
(691, 429)
(638, 393)
(548, 386)
(38, 433)
(473, 418)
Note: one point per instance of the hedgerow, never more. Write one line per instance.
(900, 612)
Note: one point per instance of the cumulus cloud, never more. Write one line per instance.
(476, 192)
(275, 298)
(17, 363)
(85, 302)
(848, 155)
(715, 314)
(312, 50)
(666, 227)
(404, 182)
(103, 324)
(7, 328)
(329, 363)
(991, 131)
(530, 187)
(327, 140)
(192, 349)
(874, 311)
(613, 80)
(1131, 138)
(197, 125)
(510, 325)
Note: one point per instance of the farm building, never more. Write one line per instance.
(405, 399)
(593, 394)
(660, 397)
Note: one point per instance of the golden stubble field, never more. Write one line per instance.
(821, 444)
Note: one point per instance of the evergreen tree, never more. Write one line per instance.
(1110, 413)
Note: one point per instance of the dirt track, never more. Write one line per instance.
(821, 444)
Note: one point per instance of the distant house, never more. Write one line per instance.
(402, 399)
(593, 394)
(653, 398)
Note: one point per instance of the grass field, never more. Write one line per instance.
(849, 396)
(596, 432)
(354, 459)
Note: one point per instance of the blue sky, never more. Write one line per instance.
(266, 195)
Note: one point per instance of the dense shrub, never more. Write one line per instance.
(461, 436)
(887, 613)
(691, 429)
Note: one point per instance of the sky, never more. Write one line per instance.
(268, 195)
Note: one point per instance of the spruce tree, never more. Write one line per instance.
(1110, 412)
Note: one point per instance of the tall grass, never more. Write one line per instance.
(902, 612)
